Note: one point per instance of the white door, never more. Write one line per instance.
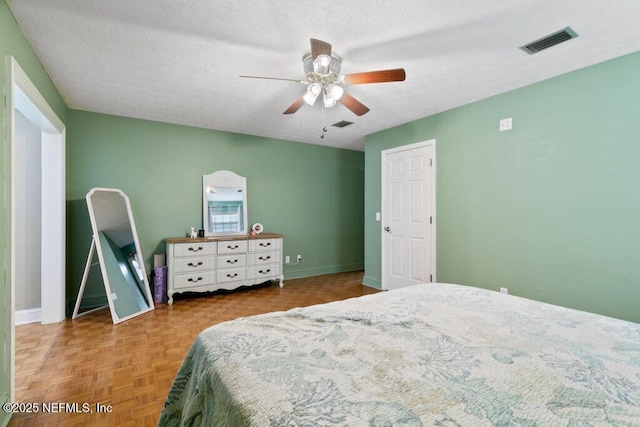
(408, 215)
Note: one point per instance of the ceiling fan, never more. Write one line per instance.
(322, 70)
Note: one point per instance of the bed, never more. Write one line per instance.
(433, 354)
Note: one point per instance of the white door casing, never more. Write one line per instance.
(408, 215)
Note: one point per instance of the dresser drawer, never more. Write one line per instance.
(190, 265)
(231, 274)
(232, 247)
(267, 271)
(194, 249)
(258, 245)
(264, 258)
(201, 278)
(229, 261)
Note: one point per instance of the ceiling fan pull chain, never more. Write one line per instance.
(324, 126)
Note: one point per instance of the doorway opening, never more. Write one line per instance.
(35, 168)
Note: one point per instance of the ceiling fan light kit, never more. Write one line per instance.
(313, 91)
(332, 94)
(323, 68)
(322, 71)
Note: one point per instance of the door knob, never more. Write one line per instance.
(387, 229)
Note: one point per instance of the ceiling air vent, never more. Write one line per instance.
(342, 124)
(550, 40)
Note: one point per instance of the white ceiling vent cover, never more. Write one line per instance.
(550, 40)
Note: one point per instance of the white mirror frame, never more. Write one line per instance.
(223, 178)
(117, 218)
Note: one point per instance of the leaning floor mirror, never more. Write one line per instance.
(115, 241)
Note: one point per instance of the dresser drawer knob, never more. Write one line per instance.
(196, 250)
(232, 275)
(264, 258)
(232, 247)
(264, 245)
(264, 271)
(232, 261)
(194, 265)
(191, 279)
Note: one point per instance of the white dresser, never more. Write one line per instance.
(222, 262)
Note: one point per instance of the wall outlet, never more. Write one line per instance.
(506, 124)
(287, 259)
(299, 258)
(504, 290)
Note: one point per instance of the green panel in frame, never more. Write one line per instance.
(116, 241)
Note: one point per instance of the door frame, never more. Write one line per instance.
(383, 196)
(23, 96)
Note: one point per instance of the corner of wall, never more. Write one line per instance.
(311, 272)
(372, 283)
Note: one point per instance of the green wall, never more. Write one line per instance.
(550, 209)
(13, 43)
(312, 194)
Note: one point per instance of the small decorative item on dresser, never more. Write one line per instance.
(256, 229)
(193, 233)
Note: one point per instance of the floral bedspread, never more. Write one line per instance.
(434, 354)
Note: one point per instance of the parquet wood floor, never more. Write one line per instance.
(131, 366)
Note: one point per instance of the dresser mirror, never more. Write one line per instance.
(116, 242)
(224, 201)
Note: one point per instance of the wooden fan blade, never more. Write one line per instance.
(353, 104)
(295, 106)
(318, 47)
(382, 76)
(274, 78)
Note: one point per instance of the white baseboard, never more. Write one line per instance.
(30, 315)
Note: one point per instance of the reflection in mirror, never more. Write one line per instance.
(225, 209)
(224, 203)
(116, 242)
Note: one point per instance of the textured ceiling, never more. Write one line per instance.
(178, 61)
